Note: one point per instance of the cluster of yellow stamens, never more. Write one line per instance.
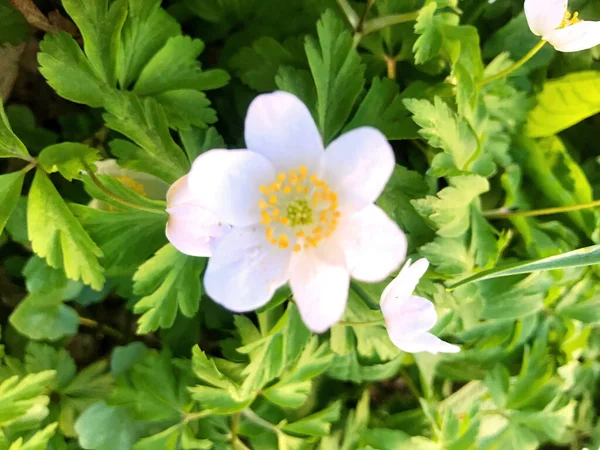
(569, 19)
(136, 187)
(298, 210)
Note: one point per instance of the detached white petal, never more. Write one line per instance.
(408, 318)
(245, 270)
(192, 229)
(358, 165)
(573, 38)
(544, 16)
(280, 128)
(373, 243)
(320, 289)
(229, 183)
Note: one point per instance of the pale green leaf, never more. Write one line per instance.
(10, 190)
(316, 424)
(39, 441)
(68, 158)
(57, 236)
(427, 27)
(10, 145)
(17, 396)
(102, 427)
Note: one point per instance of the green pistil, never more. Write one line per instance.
(299, 213)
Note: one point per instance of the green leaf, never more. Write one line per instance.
(57, 236)
(10, 145)
(197, 141)
(316, 424)
(429, 43)
(337, 71)
(42, 357)
(100, 26)
(563, 103)
(169, 439)
(295, 385)
(483, 241)
(102, 427)
(14, 26)
(43, 316)
(442, 128)
(17, 396)
(145, 123)
(10, 190)
(68, 158)
(451, 256)
(39, 441)
(450, 211)
(123, 358)
(146, 29)
(69, 72)
(175, 65)
(168, 282)
(383, 108)
(186, 107)
(577, 258)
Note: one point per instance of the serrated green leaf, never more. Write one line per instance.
(197, 141)
(563, 103)
(17, 396)
(316, 424)
(450, 211)
(337, 71)
(102, 427)
(68, 158)
(39, 441)
(57, 236)
(186, 107)
(43, 316)
(429, 42)
(168, 282)
(451, 256)
(10, 190)
(442, 128)
(10, 145)
(69, 72)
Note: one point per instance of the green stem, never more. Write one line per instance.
(90, 323)
(195, 416)
(115, 197)
(349, 12)
(409, 383)
(361, 324)
(380, 23)
(235, 422)
(515, 66)
(502, 213)
(257, 420)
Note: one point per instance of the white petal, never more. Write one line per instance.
(573, 38)
(245, 270)
(373, 244)
(408, 317)
(194, 230)
(228, 183)
(280, 127)
(405, 283)
(544, 16)
(179, 192)
(426, 342)
(320, 289)
(357, 166)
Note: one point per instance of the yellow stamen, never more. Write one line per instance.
(262, 204)
(317, 230)
(283, 241)
(303, 170)
(297, 248)
(266, 219)
(275, 212)
(281, 177)
(287, 190)
(264, 189)
(273, 200)
(300, 234)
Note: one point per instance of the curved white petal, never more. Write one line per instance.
(357, 166)
(245, 270)
(580, 36)
(544, 16)
(320, 289)
(425, 342)
(373, 244)
(194, 230)
(280, 127)
(405, 283)
(228, 183)
(408, 317)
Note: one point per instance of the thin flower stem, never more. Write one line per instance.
(515, 66)
(391, 67)
(235, 422)
(90, 323)
(349, 12)
(380, 23)
(361, 22)
(361, 324)
(503, 213)
(257, 420)
(115, 197)
(195, 416)
(412, 387)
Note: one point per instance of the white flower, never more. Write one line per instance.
(551, 20)
(299, 213)
(192, 229)
(408, 318)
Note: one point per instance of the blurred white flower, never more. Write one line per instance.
(299, 213)
(408, 318)
(551, 20)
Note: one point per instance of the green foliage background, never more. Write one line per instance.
(107, 339)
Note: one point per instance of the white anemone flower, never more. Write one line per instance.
(300, 213)
(408, 318)
(551, 20)
(192, 229)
